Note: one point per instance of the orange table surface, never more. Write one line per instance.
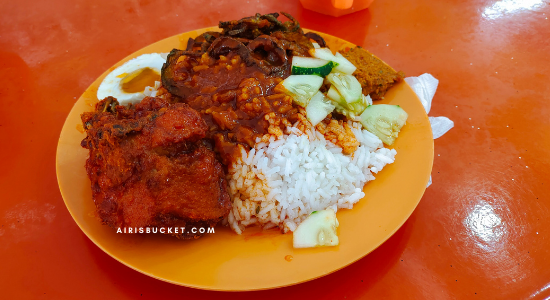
(481, 230)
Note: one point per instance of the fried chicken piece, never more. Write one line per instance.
(149, 168)
(375, 76)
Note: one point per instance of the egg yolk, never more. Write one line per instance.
(137, 81)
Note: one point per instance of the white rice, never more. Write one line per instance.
(281, 182)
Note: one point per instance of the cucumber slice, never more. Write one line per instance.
(384, 120)
(338, 101)
(358, 107)
(351, 110)
(318, 108)
(343, 65)
(302, 87)
(333, 95)
(322, 53)
(311, 66)
(347, 85)
(367, 100)
(319, 229)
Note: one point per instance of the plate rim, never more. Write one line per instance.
(213, 288)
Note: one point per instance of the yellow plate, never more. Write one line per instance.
(230, 262)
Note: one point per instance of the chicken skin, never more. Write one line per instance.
(148, 167)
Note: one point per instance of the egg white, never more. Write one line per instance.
(112, 86)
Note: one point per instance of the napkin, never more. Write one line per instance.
(425, 86)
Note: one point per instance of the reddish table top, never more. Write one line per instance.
(480, 231)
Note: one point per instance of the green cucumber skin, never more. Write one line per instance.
(342, 65)
(320, 71)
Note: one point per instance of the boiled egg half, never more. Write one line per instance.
(134, 80)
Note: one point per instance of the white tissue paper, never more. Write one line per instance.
(425, 86)
(440, 125)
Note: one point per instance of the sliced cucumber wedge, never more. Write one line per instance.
(311, 66)
(322, 53)
(343, 65)
(347, 85)
(384, 120)
(367, 100)
(333, 95)
(302, 87)
(318, 108)
(319, 229)
(351, 110)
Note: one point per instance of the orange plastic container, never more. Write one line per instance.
(336, 8)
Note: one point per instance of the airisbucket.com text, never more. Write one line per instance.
(168, 230)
